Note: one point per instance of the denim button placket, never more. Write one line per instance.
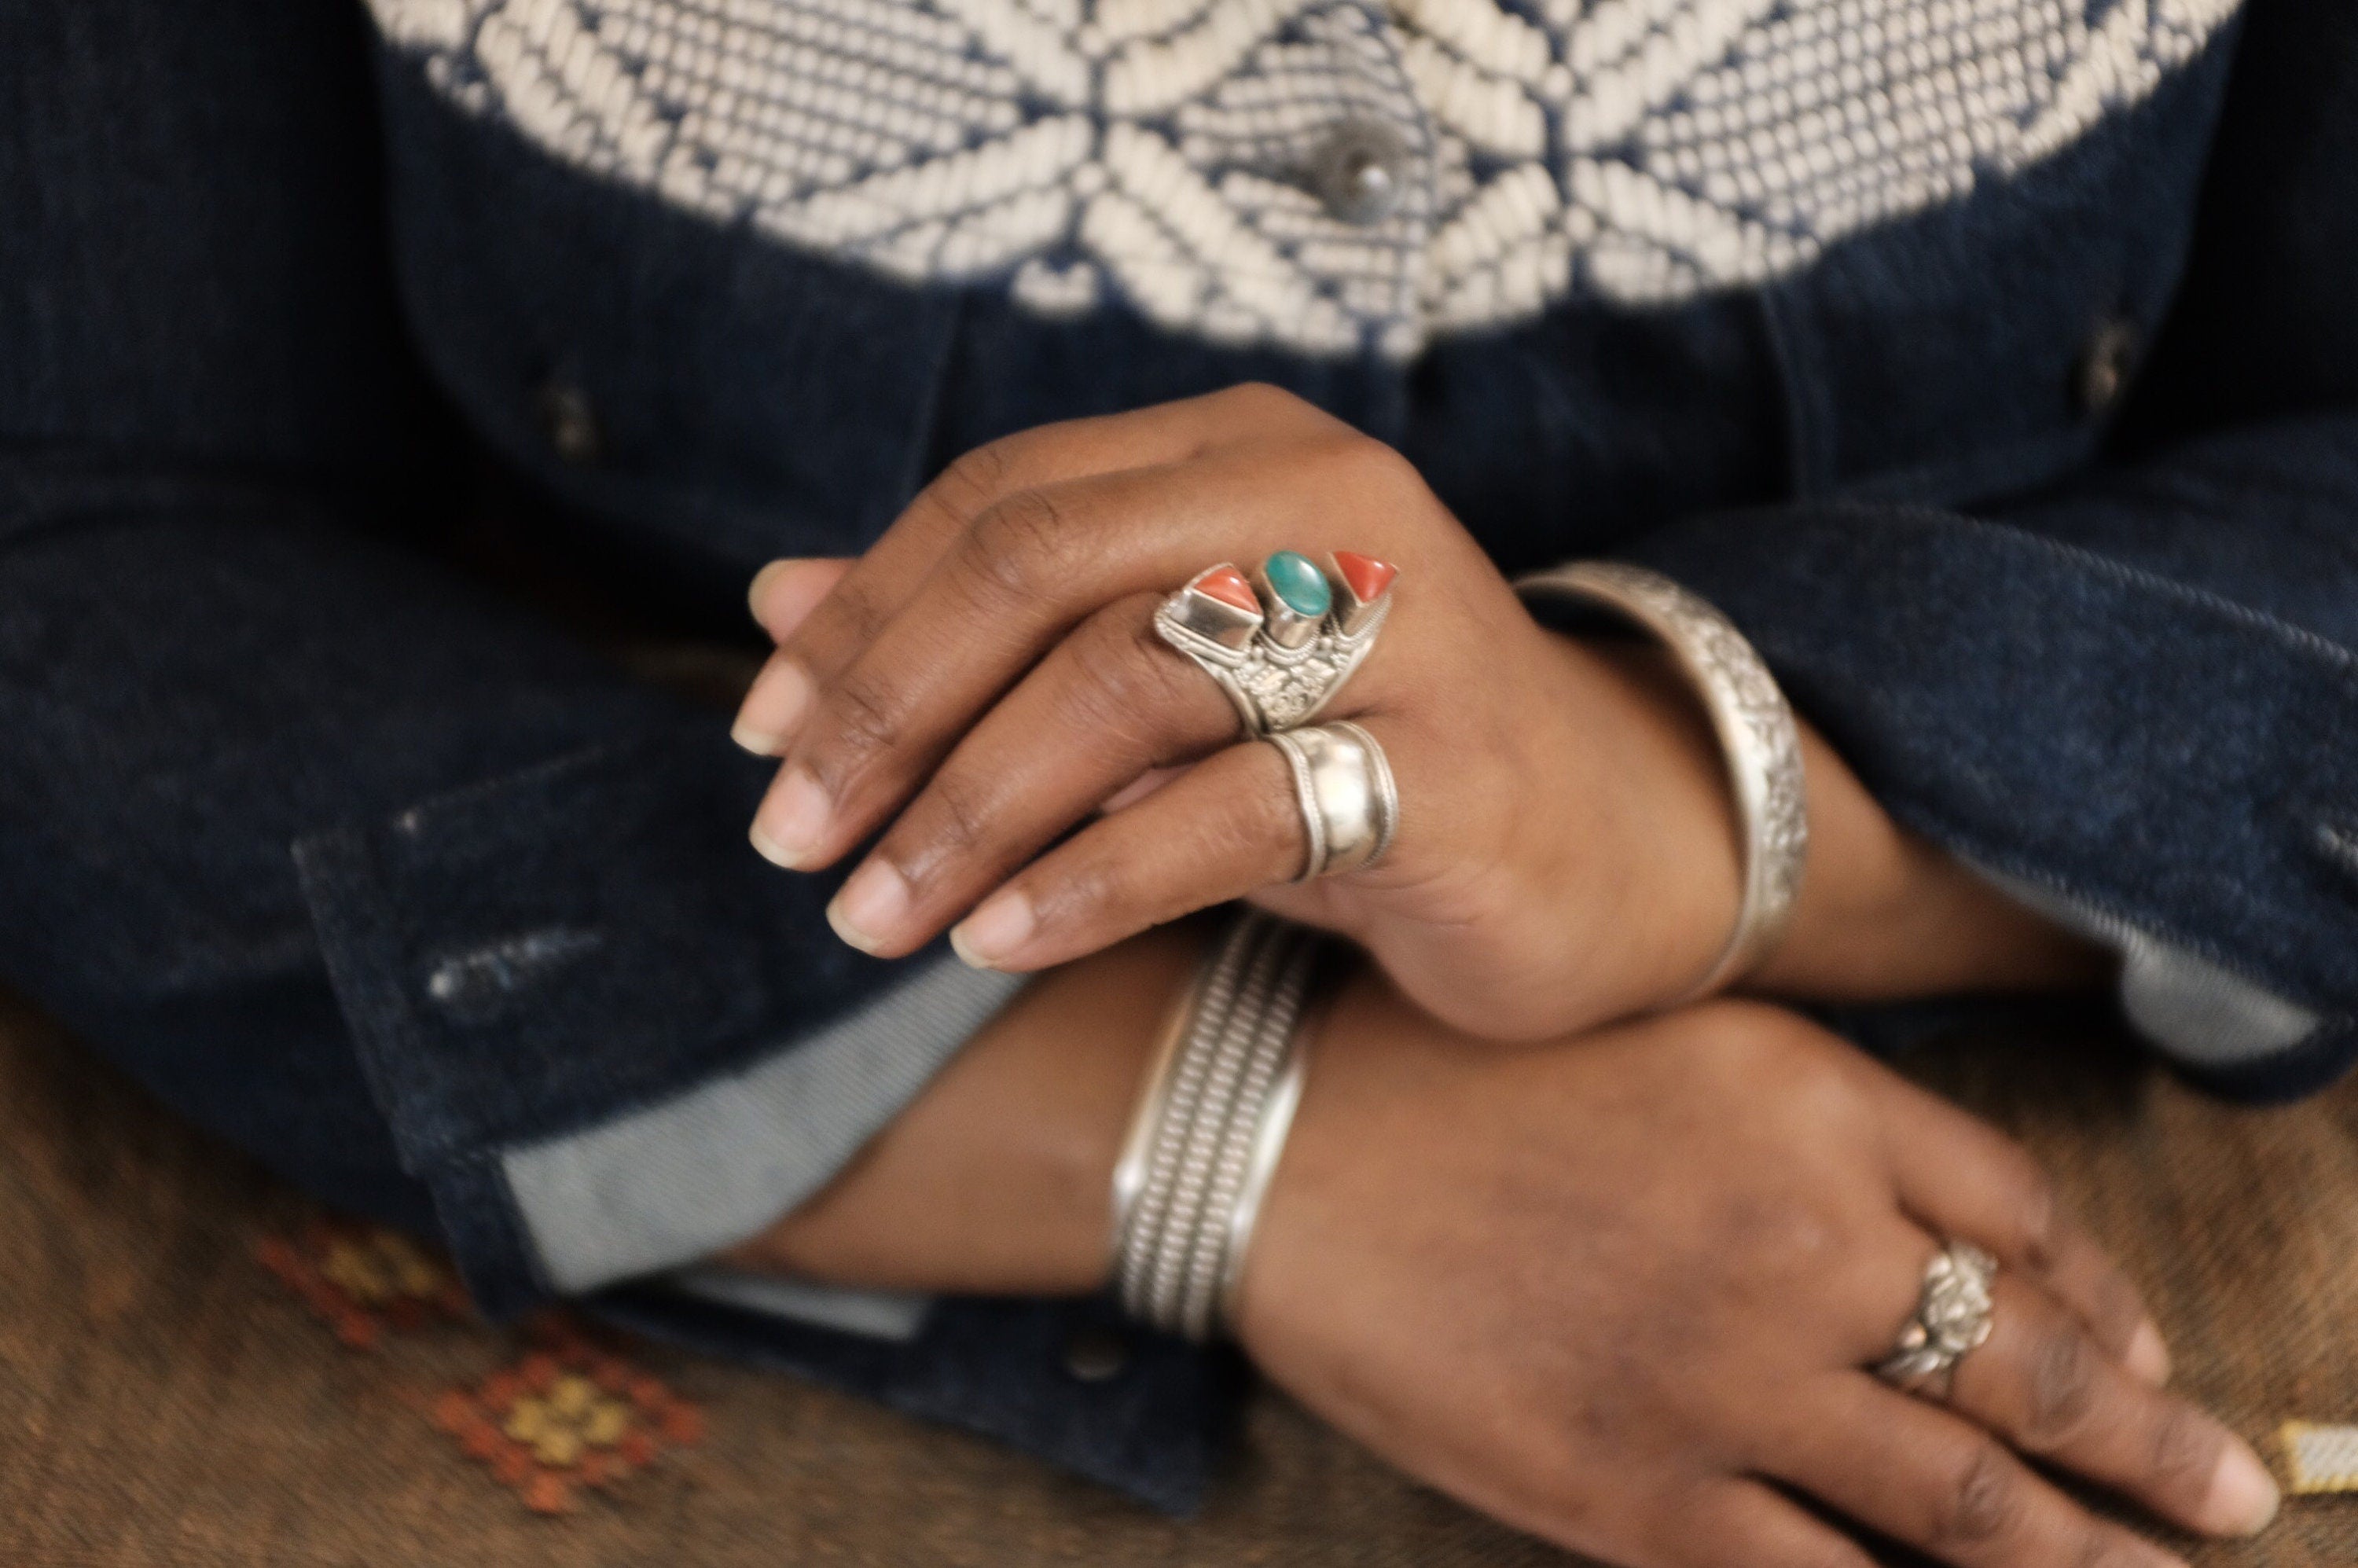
(1361, 171)
(1095, 1353)
(2105, 366)
(569, 421)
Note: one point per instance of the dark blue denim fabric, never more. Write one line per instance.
(374, 873)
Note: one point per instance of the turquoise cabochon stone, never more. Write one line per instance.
(1299, 582)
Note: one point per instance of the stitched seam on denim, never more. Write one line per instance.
(410, 818)
(2342, 659)
(337, 874)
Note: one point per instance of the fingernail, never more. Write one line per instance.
(2147, 1356)
(760, 583)
(2242, 1497)
(791, 821)
(991, 933)
(772, 709)
(787, 610)
(869, 906)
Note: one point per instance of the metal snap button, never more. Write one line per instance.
(1094, 1354)
(2105, 366)
(1361, 170)
(568, 422)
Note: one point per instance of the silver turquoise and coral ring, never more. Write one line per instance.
(1283, 643)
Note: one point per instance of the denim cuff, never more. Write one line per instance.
(2135, 746)
(534, 966)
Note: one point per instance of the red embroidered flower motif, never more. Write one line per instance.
(566, 1417)
(362, 1280)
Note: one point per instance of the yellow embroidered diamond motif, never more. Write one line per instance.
(574, 1416)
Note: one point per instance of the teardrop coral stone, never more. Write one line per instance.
(1228, 586)
(1365, 576)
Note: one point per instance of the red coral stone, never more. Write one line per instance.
(1365, 575)
(1228, 586)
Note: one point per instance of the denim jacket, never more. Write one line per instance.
(1994, 367)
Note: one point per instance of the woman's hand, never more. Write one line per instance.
(987, 676)
(1620, 1294)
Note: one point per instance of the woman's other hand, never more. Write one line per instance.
(1620, 1293)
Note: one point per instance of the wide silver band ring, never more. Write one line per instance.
(1954, 1311)
(1343, 784)
(1279, 666)
(1758, 738)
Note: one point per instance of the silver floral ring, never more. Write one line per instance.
(1954, 1316)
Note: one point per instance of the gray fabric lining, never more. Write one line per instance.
(677, 1180)
(2197, 1011)
(880, 1314)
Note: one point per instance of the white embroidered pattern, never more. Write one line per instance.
(1639, 150)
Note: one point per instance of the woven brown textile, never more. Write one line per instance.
(165, 1401)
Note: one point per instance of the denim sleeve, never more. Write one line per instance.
(310, 834)
(2133, 698)
(349, 860)
(2135, 701)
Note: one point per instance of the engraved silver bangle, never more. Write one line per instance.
(1758, 738)
(1210, 1128)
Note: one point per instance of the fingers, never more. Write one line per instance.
(2045, 1387)
(782, 596)
(1025, 575)
(1745, 1523)
(1226, 826)
(840, 627)
(1962, 1178)
(1109, 704)
(1932, 1480)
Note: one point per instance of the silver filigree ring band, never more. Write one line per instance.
(1281, 643)
(1342, 782)
(1758, 738)
(1954, 1314)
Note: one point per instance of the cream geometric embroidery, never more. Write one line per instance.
(1165, 151)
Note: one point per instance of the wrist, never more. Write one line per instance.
(1657, 906)
(997, 1179)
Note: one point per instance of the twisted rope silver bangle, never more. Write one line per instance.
(1210, 1129)
(1759, 739)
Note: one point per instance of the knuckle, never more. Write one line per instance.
(1091, 888)
(865, 721)
(1376, 461)
(958, 819)
(1982, 1503)
(1260, 400)
(2185, 1449)
(1020, 546)
(975, 476)
(1120, 687)
(848, 616)
(2036, 1211)
(2062, 1388)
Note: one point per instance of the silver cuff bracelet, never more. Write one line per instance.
(1210, 1129)
(1758, 738)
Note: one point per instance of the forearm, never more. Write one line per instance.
(998, 1179)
